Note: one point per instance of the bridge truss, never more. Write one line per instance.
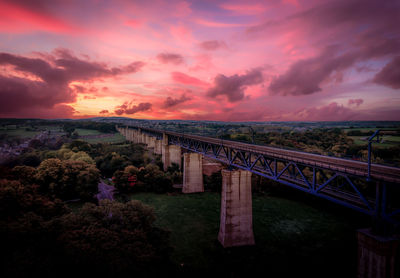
(338, 180)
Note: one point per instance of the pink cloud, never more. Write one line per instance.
(211, 23)
(133, 23)
(245, 9)
(187, 79)
(17, 18)
(330, 112)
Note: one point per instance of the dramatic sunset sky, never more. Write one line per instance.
(274, 60)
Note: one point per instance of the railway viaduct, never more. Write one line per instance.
(345, 182)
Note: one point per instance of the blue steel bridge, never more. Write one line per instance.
(345, 182)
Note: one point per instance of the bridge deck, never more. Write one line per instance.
(353, 167)
(336, 179)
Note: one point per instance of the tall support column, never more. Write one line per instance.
(170, 153)
(134, 135)
(152, 142)
(236, 226)
(192, 173)
(137, 137)
(175, 155)
(165, 152)
(130, 135)
(158, 147)
(377, 255)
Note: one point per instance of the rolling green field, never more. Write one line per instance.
(84, 132)
(22, 132)
(115, 138)
(292, 238)
(387, 142)
(366, 129)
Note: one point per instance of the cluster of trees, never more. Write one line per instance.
(332, 141)
(322, 141)
(64, 179)
(148, 179)
(70, 126)
(40, 236)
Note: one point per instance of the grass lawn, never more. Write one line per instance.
(19, 132)
(115, 138)
(392, 139)
(84, 132)
(293, 238)
(388, 141)
(366, 129)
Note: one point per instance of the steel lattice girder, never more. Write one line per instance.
(318, 181)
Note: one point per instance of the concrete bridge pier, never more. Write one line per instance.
(140, 137)
(130, 135)
(135, 136)
(378, 256)
(151, 142)
(170, 153)
(158, 146)
(144, 138)
(236, 224)
(192, 173)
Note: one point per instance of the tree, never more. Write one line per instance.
(25, 174)
(39, 236)
(121, 179)
(81, 156)
(155, 180)
(68, 129)
(68, 179)
(150, 178)
(115, 239)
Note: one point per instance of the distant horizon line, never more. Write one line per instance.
(135, 119)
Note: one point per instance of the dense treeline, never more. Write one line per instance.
(100, 126)
(333, 142)
(41, 236)
(66, 124)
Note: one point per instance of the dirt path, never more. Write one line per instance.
(106, 192)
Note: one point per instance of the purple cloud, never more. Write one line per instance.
(212, 45)
(172, 58)
(54, 76)
(128, 108)
(357, 102)
(233, 86)
(170, 102)
(390, 75)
